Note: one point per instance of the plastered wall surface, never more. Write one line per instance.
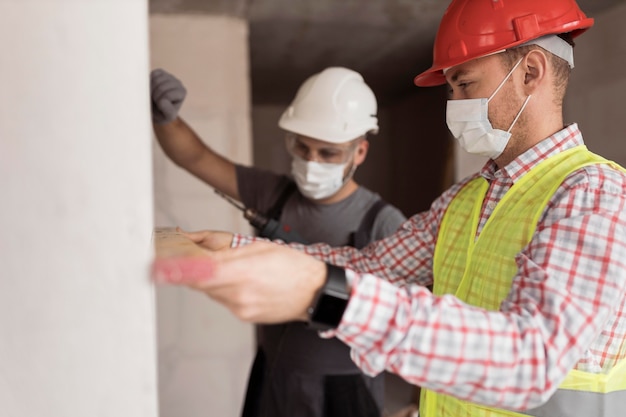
(204, 353)
(77, 332)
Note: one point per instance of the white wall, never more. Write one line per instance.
(204, 352)
(76, 305)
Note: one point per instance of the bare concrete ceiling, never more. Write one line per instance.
(388, 41)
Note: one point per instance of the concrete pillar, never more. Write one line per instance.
(77, 333)
(204, 352)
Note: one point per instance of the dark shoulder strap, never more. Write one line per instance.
(277, 209)
(363, 235)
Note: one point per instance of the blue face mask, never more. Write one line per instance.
(468, 120)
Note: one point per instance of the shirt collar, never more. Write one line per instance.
(567, 138)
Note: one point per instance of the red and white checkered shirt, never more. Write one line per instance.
(566, 307)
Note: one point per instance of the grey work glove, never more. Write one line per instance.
(167, 94)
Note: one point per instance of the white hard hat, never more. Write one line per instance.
(334, 105)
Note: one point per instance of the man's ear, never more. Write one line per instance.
(536, 68)
(361, 152)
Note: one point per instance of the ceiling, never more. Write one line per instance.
(387, 41)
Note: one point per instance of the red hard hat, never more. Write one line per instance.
(472, 29)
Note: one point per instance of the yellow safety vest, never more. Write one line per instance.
(480, 272)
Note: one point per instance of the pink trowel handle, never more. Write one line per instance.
(183, 270)
(179, 260)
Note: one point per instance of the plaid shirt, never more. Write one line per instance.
(566, 307)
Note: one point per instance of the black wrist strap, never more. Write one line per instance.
(331, 300)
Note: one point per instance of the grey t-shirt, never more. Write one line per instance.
(329, 223)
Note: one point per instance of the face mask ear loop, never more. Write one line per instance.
(505, 78)
(519, 113)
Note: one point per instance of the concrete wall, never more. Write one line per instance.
(77, 326)
(204, 352)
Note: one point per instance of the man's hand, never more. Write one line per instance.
(209, 239)
(167, 94)
(262, 282)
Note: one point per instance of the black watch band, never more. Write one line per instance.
(330, 301)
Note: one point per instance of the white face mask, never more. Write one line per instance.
(317, 180)
(468, 120)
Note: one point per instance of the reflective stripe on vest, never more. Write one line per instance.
(480, 273)
(587, 394)
(568, 403)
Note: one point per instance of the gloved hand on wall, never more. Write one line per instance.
(167, 94)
